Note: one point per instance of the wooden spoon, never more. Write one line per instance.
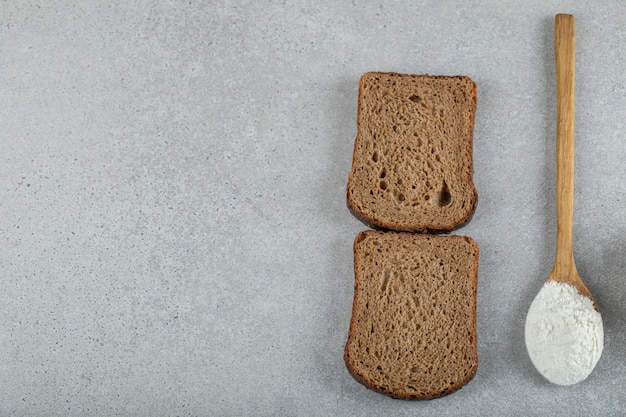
(564, 333)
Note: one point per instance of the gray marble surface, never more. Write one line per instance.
(175, 239)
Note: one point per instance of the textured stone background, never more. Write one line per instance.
(174, 233)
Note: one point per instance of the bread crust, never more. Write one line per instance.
(385, 224)
(355, 315)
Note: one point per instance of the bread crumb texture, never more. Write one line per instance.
(412, 162)
(413, 328)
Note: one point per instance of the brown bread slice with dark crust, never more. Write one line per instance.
(412, 163)
(413, 327)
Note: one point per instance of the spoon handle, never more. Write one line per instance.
(564, 47)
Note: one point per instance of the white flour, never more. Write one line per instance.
(564, 334)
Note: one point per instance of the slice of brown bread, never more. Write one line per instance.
(412, 163)
(413, 327)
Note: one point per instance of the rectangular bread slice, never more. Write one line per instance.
(413, 327)
(412, 163)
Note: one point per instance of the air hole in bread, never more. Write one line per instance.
(375, 156)
(401, 197)
(415, 99)
(383, 287)
(445, 198)
(383, 173)
(383, 185)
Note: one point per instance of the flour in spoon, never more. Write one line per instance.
(564, 334)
